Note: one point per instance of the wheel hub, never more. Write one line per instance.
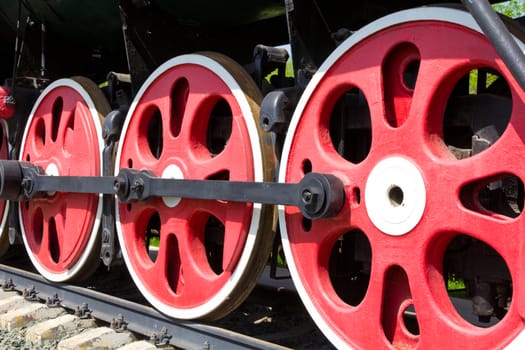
(52, 170)
(172, 171)
(395, 196)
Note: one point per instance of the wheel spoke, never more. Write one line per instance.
(396, 299)
(168, 270)
(195, 269)
(38, 140)
(70, 130)
(235, 235)
(366, 318)
(495, 231)
(36, 225)
(496, 160)
(42, 251)
(227, 229)
(192, 117)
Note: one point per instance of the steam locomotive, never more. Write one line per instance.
(382, 166)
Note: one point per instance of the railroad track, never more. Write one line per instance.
(118, 321)
(139, 319)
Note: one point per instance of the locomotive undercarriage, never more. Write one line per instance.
(392, 155)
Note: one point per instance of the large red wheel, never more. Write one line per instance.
(195, 118)
(386, 115)
(63, 136)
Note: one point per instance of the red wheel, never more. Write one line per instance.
(195, 119)
(434, 178)
(4, 205)
(64, 137)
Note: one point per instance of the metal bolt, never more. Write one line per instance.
(307, 196)
(162, 339)
(105, 235)
(27, 185)
(119, 324)
(153, 338)
(8, 285)
(31, 294)
(120, 187)
(53, 301)
(138, 186)
(310, 198)
(83, 311)
(117, 185)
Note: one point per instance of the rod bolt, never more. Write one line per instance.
(116, 186)
(27, 186)
(307, 196)
(310, 198)
(120, 187)
(138, 186)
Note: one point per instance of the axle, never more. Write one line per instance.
(316, 195)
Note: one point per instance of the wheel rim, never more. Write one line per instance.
(408, 197)
(4, 205)
(180, 104)
(63, 136)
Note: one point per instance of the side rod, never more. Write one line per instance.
(316, 195)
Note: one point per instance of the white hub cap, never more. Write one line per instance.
(51, 170)
(395, 196)
(172, 172)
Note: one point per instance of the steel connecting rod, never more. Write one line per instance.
(316, 195)
(499, 36)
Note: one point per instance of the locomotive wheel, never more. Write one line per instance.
(63, 136)
(195, 118)
(376, 115)
(4, 205)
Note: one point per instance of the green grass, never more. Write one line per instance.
(473, 81)
(513, 8)
(154, 241)
(456, 287)
(288, 73)
(455, 284)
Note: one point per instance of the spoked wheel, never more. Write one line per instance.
(4, 205)
(420, 119)
(194, 118)
(63, 136)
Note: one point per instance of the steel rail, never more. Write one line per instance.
(141, 319)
